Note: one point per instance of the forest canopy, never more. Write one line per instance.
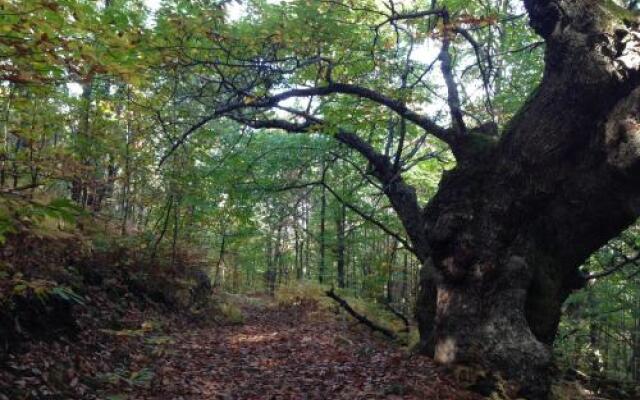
(474, 164)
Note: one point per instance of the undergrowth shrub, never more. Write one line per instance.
(230, 313)
(39, 286)
(163, 276)
(301, 292)
(48, 266)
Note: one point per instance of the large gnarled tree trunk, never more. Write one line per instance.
(502, 240)
(510, 226)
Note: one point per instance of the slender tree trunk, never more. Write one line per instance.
(340, 245)
(624, 357)
(176, 230)
(5, 134)
(307, 240)
(390, 261)
(277, 261)
(33, 167)
(270, 274)
(405, 282)
(366, 259)
(299, 253)
(216, 280)
(635, 341)
(165, 225)
(15, 170)
(593, 357)
(635, 355)
(78, 185)
(323, 212)
(127, 169)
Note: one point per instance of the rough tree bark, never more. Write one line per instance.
(510, 226)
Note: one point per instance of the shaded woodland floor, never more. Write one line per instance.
(76, 326)
(294, 352)
(279, 351)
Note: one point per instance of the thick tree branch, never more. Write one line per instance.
(368, 218)
(446, 66)
(400, 108)
(294, 186)
(486, 79)
(402, 16)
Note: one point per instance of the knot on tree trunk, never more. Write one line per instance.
(517, 274)
(622, 137)
(545, 16)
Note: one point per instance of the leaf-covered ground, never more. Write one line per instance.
(293, 351)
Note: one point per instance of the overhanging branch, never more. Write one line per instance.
(368, 218)
(445, 134)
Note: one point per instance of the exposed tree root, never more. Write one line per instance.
(364, 320)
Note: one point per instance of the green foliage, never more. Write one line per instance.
(231, 314)
(20, 213)
(43, 290)
(109, 127)
(599, 332)
(140, 378)
(67, 294)
(7, 225)
(117, 86)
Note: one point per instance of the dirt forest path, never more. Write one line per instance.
(294, 352)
